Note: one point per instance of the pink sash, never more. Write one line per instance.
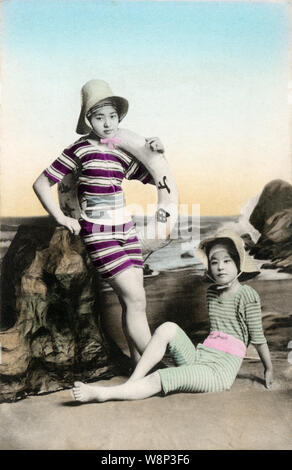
(224, 342)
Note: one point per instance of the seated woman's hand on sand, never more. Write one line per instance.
(269, 378)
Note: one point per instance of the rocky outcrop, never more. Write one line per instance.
(51, 313)
(272, 216)
(59, 324)
(275, 197)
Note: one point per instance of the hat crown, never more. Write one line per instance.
(93, 92)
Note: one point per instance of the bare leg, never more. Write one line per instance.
(136, 390)
(134, 353)
(155, 350)
(129, 287)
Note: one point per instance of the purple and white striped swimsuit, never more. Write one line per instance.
(113, 247)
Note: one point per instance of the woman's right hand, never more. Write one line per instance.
(70, 223)
(154, 144)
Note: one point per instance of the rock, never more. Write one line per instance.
(285, 264)
(275, 197)
(273, 217)
(268, 250)
(187, 249)
(248, 241)
(188, 254)
(51, 311)
(278, 227)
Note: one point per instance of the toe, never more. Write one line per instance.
(78, 383)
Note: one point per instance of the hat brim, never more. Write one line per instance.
(248, 266)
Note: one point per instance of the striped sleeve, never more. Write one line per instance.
(137, 171)
(253, 316)
(63, 165)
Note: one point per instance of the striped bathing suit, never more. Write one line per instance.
(106, 228)
(112, 249)
(204, 369)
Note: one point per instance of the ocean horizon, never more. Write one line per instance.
(176, 255)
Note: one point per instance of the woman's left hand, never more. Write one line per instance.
(268, 378)
(154, 144)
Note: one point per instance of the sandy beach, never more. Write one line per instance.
(247, 417)
(244, 418)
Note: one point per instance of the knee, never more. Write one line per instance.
(167, 331)
(136, 301)
(154, 380)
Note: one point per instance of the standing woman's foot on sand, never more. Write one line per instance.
(82, 392)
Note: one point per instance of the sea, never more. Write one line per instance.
(177, 254)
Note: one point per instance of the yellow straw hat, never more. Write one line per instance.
(93, 92)
(248, 267)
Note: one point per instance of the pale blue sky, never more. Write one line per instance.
(210, 78)
(151, 33)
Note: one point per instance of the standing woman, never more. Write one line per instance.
(101, 159)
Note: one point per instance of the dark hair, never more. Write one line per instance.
(101, 104)
(230, 247)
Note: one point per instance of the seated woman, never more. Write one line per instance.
(235, 321)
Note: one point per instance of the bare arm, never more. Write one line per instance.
(42, 188)
(264, 353)
(143, 149)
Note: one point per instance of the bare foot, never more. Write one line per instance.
(84, 393)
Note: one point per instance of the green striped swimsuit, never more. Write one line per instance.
(202, 369)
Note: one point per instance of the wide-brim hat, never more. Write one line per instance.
(248, 267)
(93, 92)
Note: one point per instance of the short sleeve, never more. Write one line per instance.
(64, 164)
(253, 316)
(209, 294)
(137, 171)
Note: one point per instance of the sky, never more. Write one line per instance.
(211, 79)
